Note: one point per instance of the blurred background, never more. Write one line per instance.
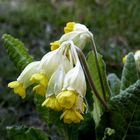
(115, 24)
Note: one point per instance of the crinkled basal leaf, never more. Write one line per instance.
(124, 117)
(130, 72)
(16, 51)
(25, 133)
(95, 76)
(114, 83)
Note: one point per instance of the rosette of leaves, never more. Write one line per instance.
(123, 120)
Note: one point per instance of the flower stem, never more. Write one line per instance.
(92, 85)
(70, 133)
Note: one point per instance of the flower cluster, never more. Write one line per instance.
(137, 58)
(59, 76)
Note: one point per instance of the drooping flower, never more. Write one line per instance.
(71, 116)
(52, 103)
(23, 81)
(76, 32)
(63, 90)
(41, 79)
(54, 86)
(67, 99)
(74, 78)
(51, 61)
(72, 26)
(18, 88)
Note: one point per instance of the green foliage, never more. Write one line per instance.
(124, 117)
(130, 72)
(104, 93)
(16, 51)
(25, 133)
(114, 83)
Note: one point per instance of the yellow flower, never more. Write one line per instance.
(52, 60)
(54, 45)
(124, 58)
(23, 81)
(69, 27)
(79, 105)
(18, 88)
(67, 99)
(71, 116)
(40, 89)
(40, 78)
(75, 80)
(52, 103)
(42, 81)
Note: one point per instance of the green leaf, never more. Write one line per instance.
(25, 133)
(16, 51)
(98, 109)
(124, 117)
(130, 72)
(114, 83)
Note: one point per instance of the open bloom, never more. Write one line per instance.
(67, 99)
(41, 80)
(52, 103)
(23, 81)
(71, 116)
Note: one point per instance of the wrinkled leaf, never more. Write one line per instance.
(124, 117)
(25, 133)
(16, 51)
(98, 109)
(130, 72)
(114, 83)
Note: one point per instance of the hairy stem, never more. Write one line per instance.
(92, 85)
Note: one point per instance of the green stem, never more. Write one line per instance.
(70, 133)
(92, 85)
